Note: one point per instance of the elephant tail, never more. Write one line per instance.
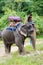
(0, 33)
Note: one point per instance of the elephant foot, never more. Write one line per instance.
(7, 51)
(24, 53)
(27, 52)
(7, 56)
(36, 52)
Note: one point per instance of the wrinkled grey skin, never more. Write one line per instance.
(9, 37)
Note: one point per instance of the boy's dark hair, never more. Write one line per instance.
(30, 16)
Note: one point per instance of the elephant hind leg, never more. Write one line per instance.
(7, 48)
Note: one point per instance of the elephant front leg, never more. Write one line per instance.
(22, 51)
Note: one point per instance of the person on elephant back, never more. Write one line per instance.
(15, 23)
(30, 22)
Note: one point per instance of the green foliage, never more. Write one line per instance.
(3, 22)
(38, 6)
(23, 5)
(39, 23)
(4, 19)
(22, 8)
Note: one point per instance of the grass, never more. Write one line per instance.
(1, 42)
(40, 36)
(14, 59)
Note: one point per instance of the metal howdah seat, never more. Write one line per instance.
(14, 18)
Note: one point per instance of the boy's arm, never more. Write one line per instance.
(12, 24)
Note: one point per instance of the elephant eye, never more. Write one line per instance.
(29, 27)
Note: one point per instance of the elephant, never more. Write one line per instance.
(9, 37)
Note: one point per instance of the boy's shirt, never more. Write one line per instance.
(32, 23)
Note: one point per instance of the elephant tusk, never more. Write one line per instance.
(23, 33)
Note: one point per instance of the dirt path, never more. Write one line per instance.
(15, 48)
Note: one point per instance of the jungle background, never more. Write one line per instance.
(22, 8)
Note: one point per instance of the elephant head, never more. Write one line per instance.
(27, 30)
(30, 32)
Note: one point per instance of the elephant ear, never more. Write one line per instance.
(30, 28)
(23, 30)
